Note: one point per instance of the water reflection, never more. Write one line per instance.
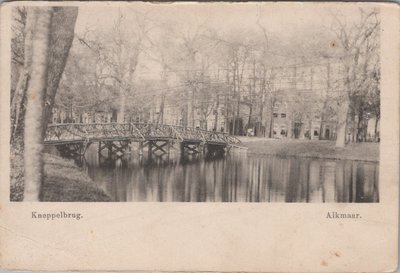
(235, 178)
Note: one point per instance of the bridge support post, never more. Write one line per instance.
(141, 148)
(150, 148)
(117, 148)
(204, 148)
(159, 147)
(228, 149)
(191, 148)
(73, 149)
(108, 145)
(105, 145)
(214, 150)
(121, 148)
(168, 147)
(182, 148)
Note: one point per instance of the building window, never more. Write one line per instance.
(277, 106)
(283, 115)
(316, 133)
(275, 115)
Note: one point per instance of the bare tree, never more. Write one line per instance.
(355, 41)
(61, 37)
(121, 48)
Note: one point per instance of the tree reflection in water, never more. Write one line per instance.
(234, 178)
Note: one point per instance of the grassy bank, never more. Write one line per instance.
(311, 148)
(63, 181)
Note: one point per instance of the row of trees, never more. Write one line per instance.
(141, 65)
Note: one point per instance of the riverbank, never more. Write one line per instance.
(63, 181)
(311, 148)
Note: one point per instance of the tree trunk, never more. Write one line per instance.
(302, 128)
(61, 37)
(121, 110)
(252, 91)
(160, 118)
(328, 88)
(376, 128)
(237, 113)
(289, 126)
(271, 122)
(36, 91)
(227, 103)
(360, 126)
(342, 124)
(261, 113)
(18, 109)
(365, 130)
(234, 94)
(120, 75)
(321, 129)
(353, 128)
(249, 123)
(192, 109)
(17, 106)
(216, 114)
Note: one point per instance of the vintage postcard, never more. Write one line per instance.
(188, 136)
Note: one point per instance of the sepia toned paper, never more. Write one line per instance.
(280, 236)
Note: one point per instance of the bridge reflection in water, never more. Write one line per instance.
(235, 177)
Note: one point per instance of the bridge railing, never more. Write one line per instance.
(91, 131)
(188, 133)
(232, 139)
(160, 131)
(108, 130)
(66, 132)
(212, 136)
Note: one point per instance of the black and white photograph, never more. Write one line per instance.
(156, 102)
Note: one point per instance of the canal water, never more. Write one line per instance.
(237, 177)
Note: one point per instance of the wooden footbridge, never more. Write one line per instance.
(74, 138)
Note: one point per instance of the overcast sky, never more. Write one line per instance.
(283, 20)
